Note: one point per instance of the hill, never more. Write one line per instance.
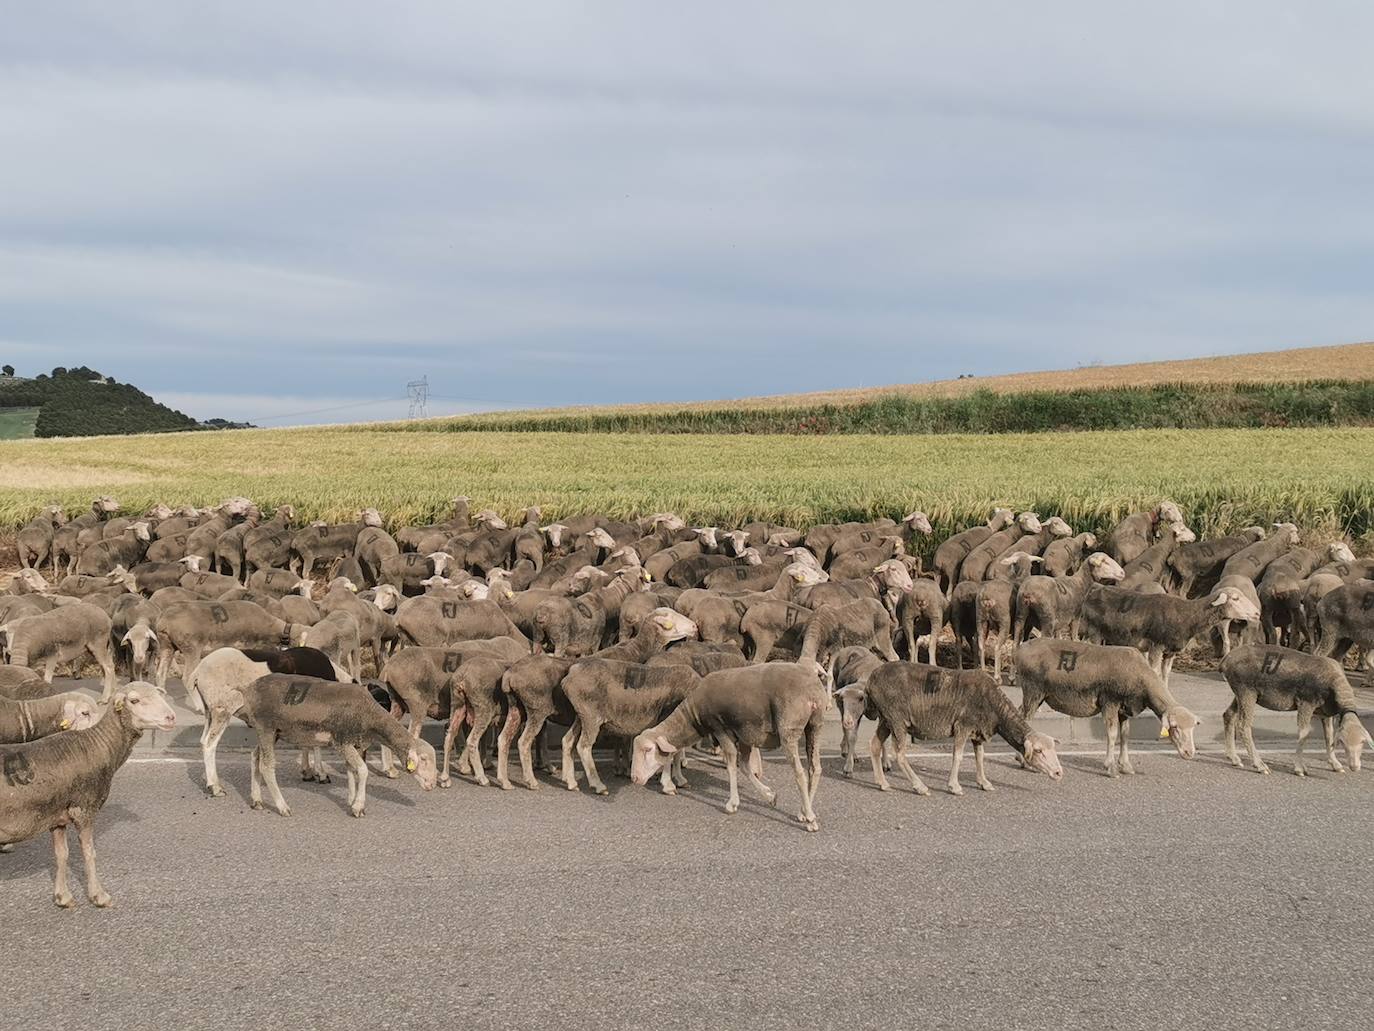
(82, 402)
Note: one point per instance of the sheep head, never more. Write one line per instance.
(140, 639)
(648, 754)
(751, 557)
(143, 531)
(440, 560)
(554, 532)
(370, 517)
(1353, 738)
(851, 701)
(104, 505)
(669, 625)
(386, 597)
(803, 555)
(488, 518)
(159, 511)
(78, 713)
(1183, 535)
(919, 522)
(1104, 568)
(893, 576)
(1057, 527)
(145, 705)
(1000, 519)
(1339, 552)
(1040, 755)
(1178, 725)
(1289, 531)
(707, 536)
(32, 580)
(421, 764)
(805, 575)
(736, 541)
(1029, 522)
(1168, 512)
(1235, 606)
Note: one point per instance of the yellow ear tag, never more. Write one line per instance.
(410, 766)
(119, 704)
(1163, 730)
(64, 724)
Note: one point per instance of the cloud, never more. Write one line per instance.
(310, 204)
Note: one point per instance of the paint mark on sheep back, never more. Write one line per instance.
(793, 613)
(583, 609)
(934, 680)
(449, 609)
(1367, 602)
(323, 530)
(741, 609)
(1126, 603)
(18, 769)
(1068, 661)
(296, 692)
(1062, 587)
(219, 614)
(635, 677)
(1271, 663)
(742, 573)
(865, 535)
(452, 660)
(411, 557)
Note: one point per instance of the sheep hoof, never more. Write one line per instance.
(813, 826)
(391, 774)
(1262, 769)
(6, 847)
(601, 789)
(1300, 771)
(215, 791)
(955, 789)
(284, 810)
(669, 789)
(570, 786)
(64, 901)
(773, 799)
(1113, 772)
(732, 807)
(1335, 768)
(445, 782)
(102, 900)
(884, 787)
(1235, 761)
(505, 785)
(533, 785)
(922, 790)
(254, 805)
(986, 785)
(356, 813)
(484, 782)
(1128, 769)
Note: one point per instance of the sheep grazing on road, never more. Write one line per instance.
(64, 634)
(32, 719)
(64, 779)
(932, 703)
(313, 713)
(746, 709)
(1083, 680)
(1280, 589)
(1291, 681)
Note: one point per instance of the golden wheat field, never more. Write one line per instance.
(1320, 479)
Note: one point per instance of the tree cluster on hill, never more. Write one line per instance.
(83, 402)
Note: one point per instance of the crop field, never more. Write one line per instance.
(1319, 478)
(17, 423)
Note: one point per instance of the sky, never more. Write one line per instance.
(285, 212)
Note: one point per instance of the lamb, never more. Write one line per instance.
(857, 540)
(755, 707)
(1064, 555)
(372, 548)
(1137, 532)
(1083, 680)
(1253, 560)
(1050, 604)
(31, 719)
(578, 626)
(950, 555)
(1161, 624)
(994, 606)
(64, 634)
(533, 686)
(64, 779)
(1202, 561)
(1292, 681)
(126, 550)
(933, 703)
(309, 712)
(193, 629)
(921, 608)
(623, 698)
(230, 546)
(35, 537)
(216, 684)
(268, 545)
(376, 627)
(976, 563)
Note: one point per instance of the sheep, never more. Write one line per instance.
(407, 570)
(215, 687)
(310, 713)
(277, 583)
(979, 558)
(208, 585)
(337, 635)
(638, 605)
(950, 555)
(1253, 560)
(1246, 628)
(64, 542)
(372, 548)
(153, 576)
(856, 540)
(623, 698)
(747, 709)
(857, 563)
(887, 582)
(268, 545)
(1281, 587)
(1064, 555)
(193, 629)
(64, 634)
(64, 779)
(409, 537)
(230, 546)
(201, 541)
(533, 687)
(864, 621)
(1292, 681)
(1315, 588)
(1050, 604)
(1346, 616)
(1083, 680)
(1202, 561)
(820, 537)
(921, 608)
(476, 697)
(376, 626)
(35, 537)
(322, 542)
(437, 622)
(1051, 529)
(932, 703)
(1161, 624)
(994, 605)
(1151, 566)
(19, 683)
(31, 719)
(850, 667)
(1137, 532)
(577, 626)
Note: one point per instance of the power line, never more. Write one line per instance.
(332, 408)
(418, 392)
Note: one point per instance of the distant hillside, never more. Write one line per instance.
(82, 403)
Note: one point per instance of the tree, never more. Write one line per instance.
(6, 370)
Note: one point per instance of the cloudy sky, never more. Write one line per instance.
(273, 211)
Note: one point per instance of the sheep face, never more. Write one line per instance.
(1168, 512)
(1057, 527)
(140, 640)
(707, 536)
(1289, 531)
(1183, 535)
(735, 542)
(1104, 568)
(1179, 725)
(1040, 755)
(147, 706)
(601, 539)
(554, 532)
(920, 522)
(804, 556)
(804, 575)
(851, 701)
(420, 763)
(650, 752)
(671, 625)
(894, 576)
(1001, 519)
(1339, 552)
(1235, 606)
(1353, 738)
(1029, 522)
(33, 580)
(78, 714)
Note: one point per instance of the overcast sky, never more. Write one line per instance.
(254, 210)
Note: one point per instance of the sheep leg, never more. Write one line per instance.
(899, 743)
(357, 780)
(1112, 726)
(1329, 733)
(813, 757)
(254, 788)
(217, 722)
(503, 740)
(875, 751)
(95, 891)
(61, 894)
(450, 733)
(1124, 749)
(1166, 666)
(49, 669)
(1247, 717)
(569, 739)
(1228, 729)
(979, 771)
(769, 795)
(960, 741)
(1304, 729)
(473, 749)
(164, 666)
(679, 759)
(730, 754)
(267, 766)
(847, 737)
(526, 747)
(585, 740)
(105, 660)
(804, 816)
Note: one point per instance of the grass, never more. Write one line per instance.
(1319, 478)
(1167, 406)
(17, 423)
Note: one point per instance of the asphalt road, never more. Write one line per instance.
(1192, 895)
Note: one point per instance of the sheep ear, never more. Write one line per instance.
(1220, 600)
(664, 745)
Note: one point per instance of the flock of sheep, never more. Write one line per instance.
(649, 633)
